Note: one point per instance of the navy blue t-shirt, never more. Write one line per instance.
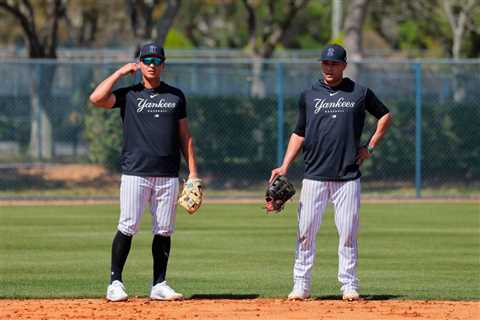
(151, 140)
(331, 119)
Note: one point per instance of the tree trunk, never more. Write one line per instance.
(41, 45)
(336, 18)
(41, 139)
(457, 18)
(166, 20)
(41, 146)
(273, 33)
(354, 21)
(258, 88)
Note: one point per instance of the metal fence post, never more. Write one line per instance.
(280, 110)
(418, 129)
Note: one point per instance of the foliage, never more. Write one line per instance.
(416, 28)
(104, 134)
(419, 28)
(176, 39)
(448, 153)
(214, 26)
(235, 138)
(409, 37)
(12, 126)
(312, 30)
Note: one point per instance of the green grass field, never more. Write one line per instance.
(407, 251)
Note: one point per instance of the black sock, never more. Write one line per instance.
(120, 249)
(160, 253)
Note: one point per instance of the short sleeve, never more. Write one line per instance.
(374, 106)
(301, 121)
(182, 107)
(120, 97)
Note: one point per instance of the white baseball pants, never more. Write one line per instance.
(345, 196)
(136, 192)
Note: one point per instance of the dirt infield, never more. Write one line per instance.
(238, 309)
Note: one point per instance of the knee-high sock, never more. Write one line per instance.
(160, 253)
(120, 249)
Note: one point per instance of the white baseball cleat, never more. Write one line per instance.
(116, 292)
(162, 291)
(298, 295)
(351, 295)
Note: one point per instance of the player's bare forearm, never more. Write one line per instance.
(364, 153)
(382, 125)
(294, 145)
(102, 96)
(188, 149)
(190, 157)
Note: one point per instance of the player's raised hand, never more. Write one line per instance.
(102, 96)
(129, 68)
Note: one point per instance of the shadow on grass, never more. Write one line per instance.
(225, 296)
(371, 297)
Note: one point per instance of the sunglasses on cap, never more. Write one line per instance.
(152, 60)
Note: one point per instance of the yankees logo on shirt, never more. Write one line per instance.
(144, 104)
(340, 105)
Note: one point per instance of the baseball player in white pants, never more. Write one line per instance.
(330, 122)
(155, 134)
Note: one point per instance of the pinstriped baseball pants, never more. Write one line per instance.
(136, 192)
(345, 196)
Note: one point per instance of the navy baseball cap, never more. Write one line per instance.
(152, 50)
(334, 52)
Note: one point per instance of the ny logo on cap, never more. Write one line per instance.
(153, 49)
(330, 52)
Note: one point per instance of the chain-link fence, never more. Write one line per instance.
(241, 114)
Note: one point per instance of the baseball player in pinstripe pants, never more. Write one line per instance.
(155, 132)
(330, 123)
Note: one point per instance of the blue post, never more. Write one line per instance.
(280, 111)
(418, 129)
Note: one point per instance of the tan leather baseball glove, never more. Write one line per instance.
(192, 195)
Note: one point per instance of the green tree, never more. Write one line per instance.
(104, 135)
(40, 23)
(459, 15)
(312, 29)
(152, 19)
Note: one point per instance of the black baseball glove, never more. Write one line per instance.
(278, 192)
